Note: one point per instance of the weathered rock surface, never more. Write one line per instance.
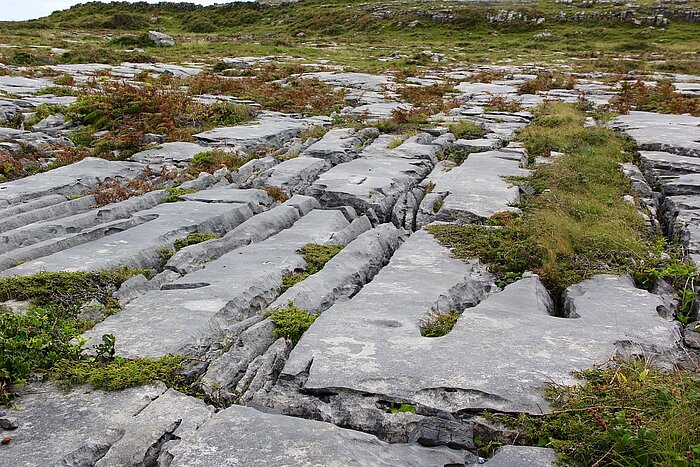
(378, 177)
(71, 180)
(228, 290)
(294, 175)
(678, 134)
(476, 189)
(270, 129)
(242, 436)
(171, 153)
(161, 39)
(137, 247)
(380, 350)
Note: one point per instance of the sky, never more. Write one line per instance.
(15, 10)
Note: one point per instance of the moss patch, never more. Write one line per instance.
(438, 324)
(291, 322)
(193, 239)
(120, 373)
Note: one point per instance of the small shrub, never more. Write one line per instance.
(291, 322)
(661, 98)
(501, 104)
(438, 324)
(414, 116)
(547, 82)
(276, 193)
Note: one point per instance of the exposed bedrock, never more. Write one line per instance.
(190, 313)
(370, 347)
(340, 279)
(379, 176)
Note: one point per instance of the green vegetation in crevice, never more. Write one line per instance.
(674, 268)
(466, 129)
(316, 256)
(193, 239)
(119, 373)
(126, 112)
(291, 322)
(627, 414)
(438, 324)
(454, 154)
(35, 340)
(577, 224)
(276, 193)
(661, 98)
(546, 82)
(167, 252)
(398, 407)
(176, 193)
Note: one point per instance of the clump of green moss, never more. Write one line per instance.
(176, 193)
(291, 322)
(193, 239)
(36, 340)
(397, 407)
(66, 289)
(119, 373)
(316, 256)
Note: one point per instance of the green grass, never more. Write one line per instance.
(626, 415)
(577, 224)
(466, 129)
(359, 38)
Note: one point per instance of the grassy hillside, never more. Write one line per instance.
(357, 33)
